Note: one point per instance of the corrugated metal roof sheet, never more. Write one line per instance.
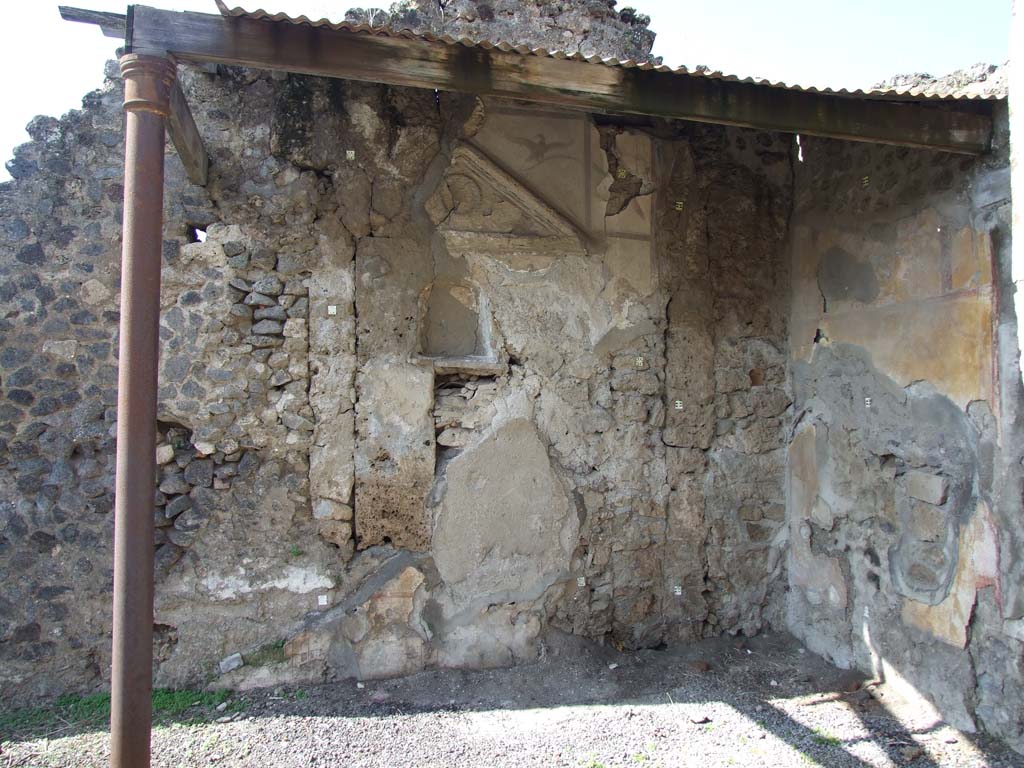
(935, 90)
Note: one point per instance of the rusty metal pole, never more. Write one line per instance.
(147, 89)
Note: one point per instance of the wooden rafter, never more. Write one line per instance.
(186, 139)
(111, 24)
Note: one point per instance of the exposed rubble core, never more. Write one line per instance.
(978, 80)
(444, 378)
(589, 27)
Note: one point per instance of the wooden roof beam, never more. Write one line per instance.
(417, 63)
(111, 24)
(181, 126)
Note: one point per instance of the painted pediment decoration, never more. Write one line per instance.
(480, 209)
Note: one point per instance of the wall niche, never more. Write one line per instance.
(455, 327)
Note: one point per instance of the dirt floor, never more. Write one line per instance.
(760, 702)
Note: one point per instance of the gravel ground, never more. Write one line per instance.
(760, 702)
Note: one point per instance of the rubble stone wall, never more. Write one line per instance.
(439, 378)
(905, 556)
(589, 27)
(444, 378)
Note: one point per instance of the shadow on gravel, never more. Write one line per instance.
(759, 678)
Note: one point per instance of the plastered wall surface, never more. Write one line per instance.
(427, 386)
(903, 470)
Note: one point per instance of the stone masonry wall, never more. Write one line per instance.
(904, 468)
(439, 378)
(442, 378)
(727, 402)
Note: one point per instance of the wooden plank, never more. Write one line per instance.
(416, 63)
(111, 24)
(185, 137)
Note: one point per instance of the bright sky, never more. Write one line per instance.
(837, 43)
